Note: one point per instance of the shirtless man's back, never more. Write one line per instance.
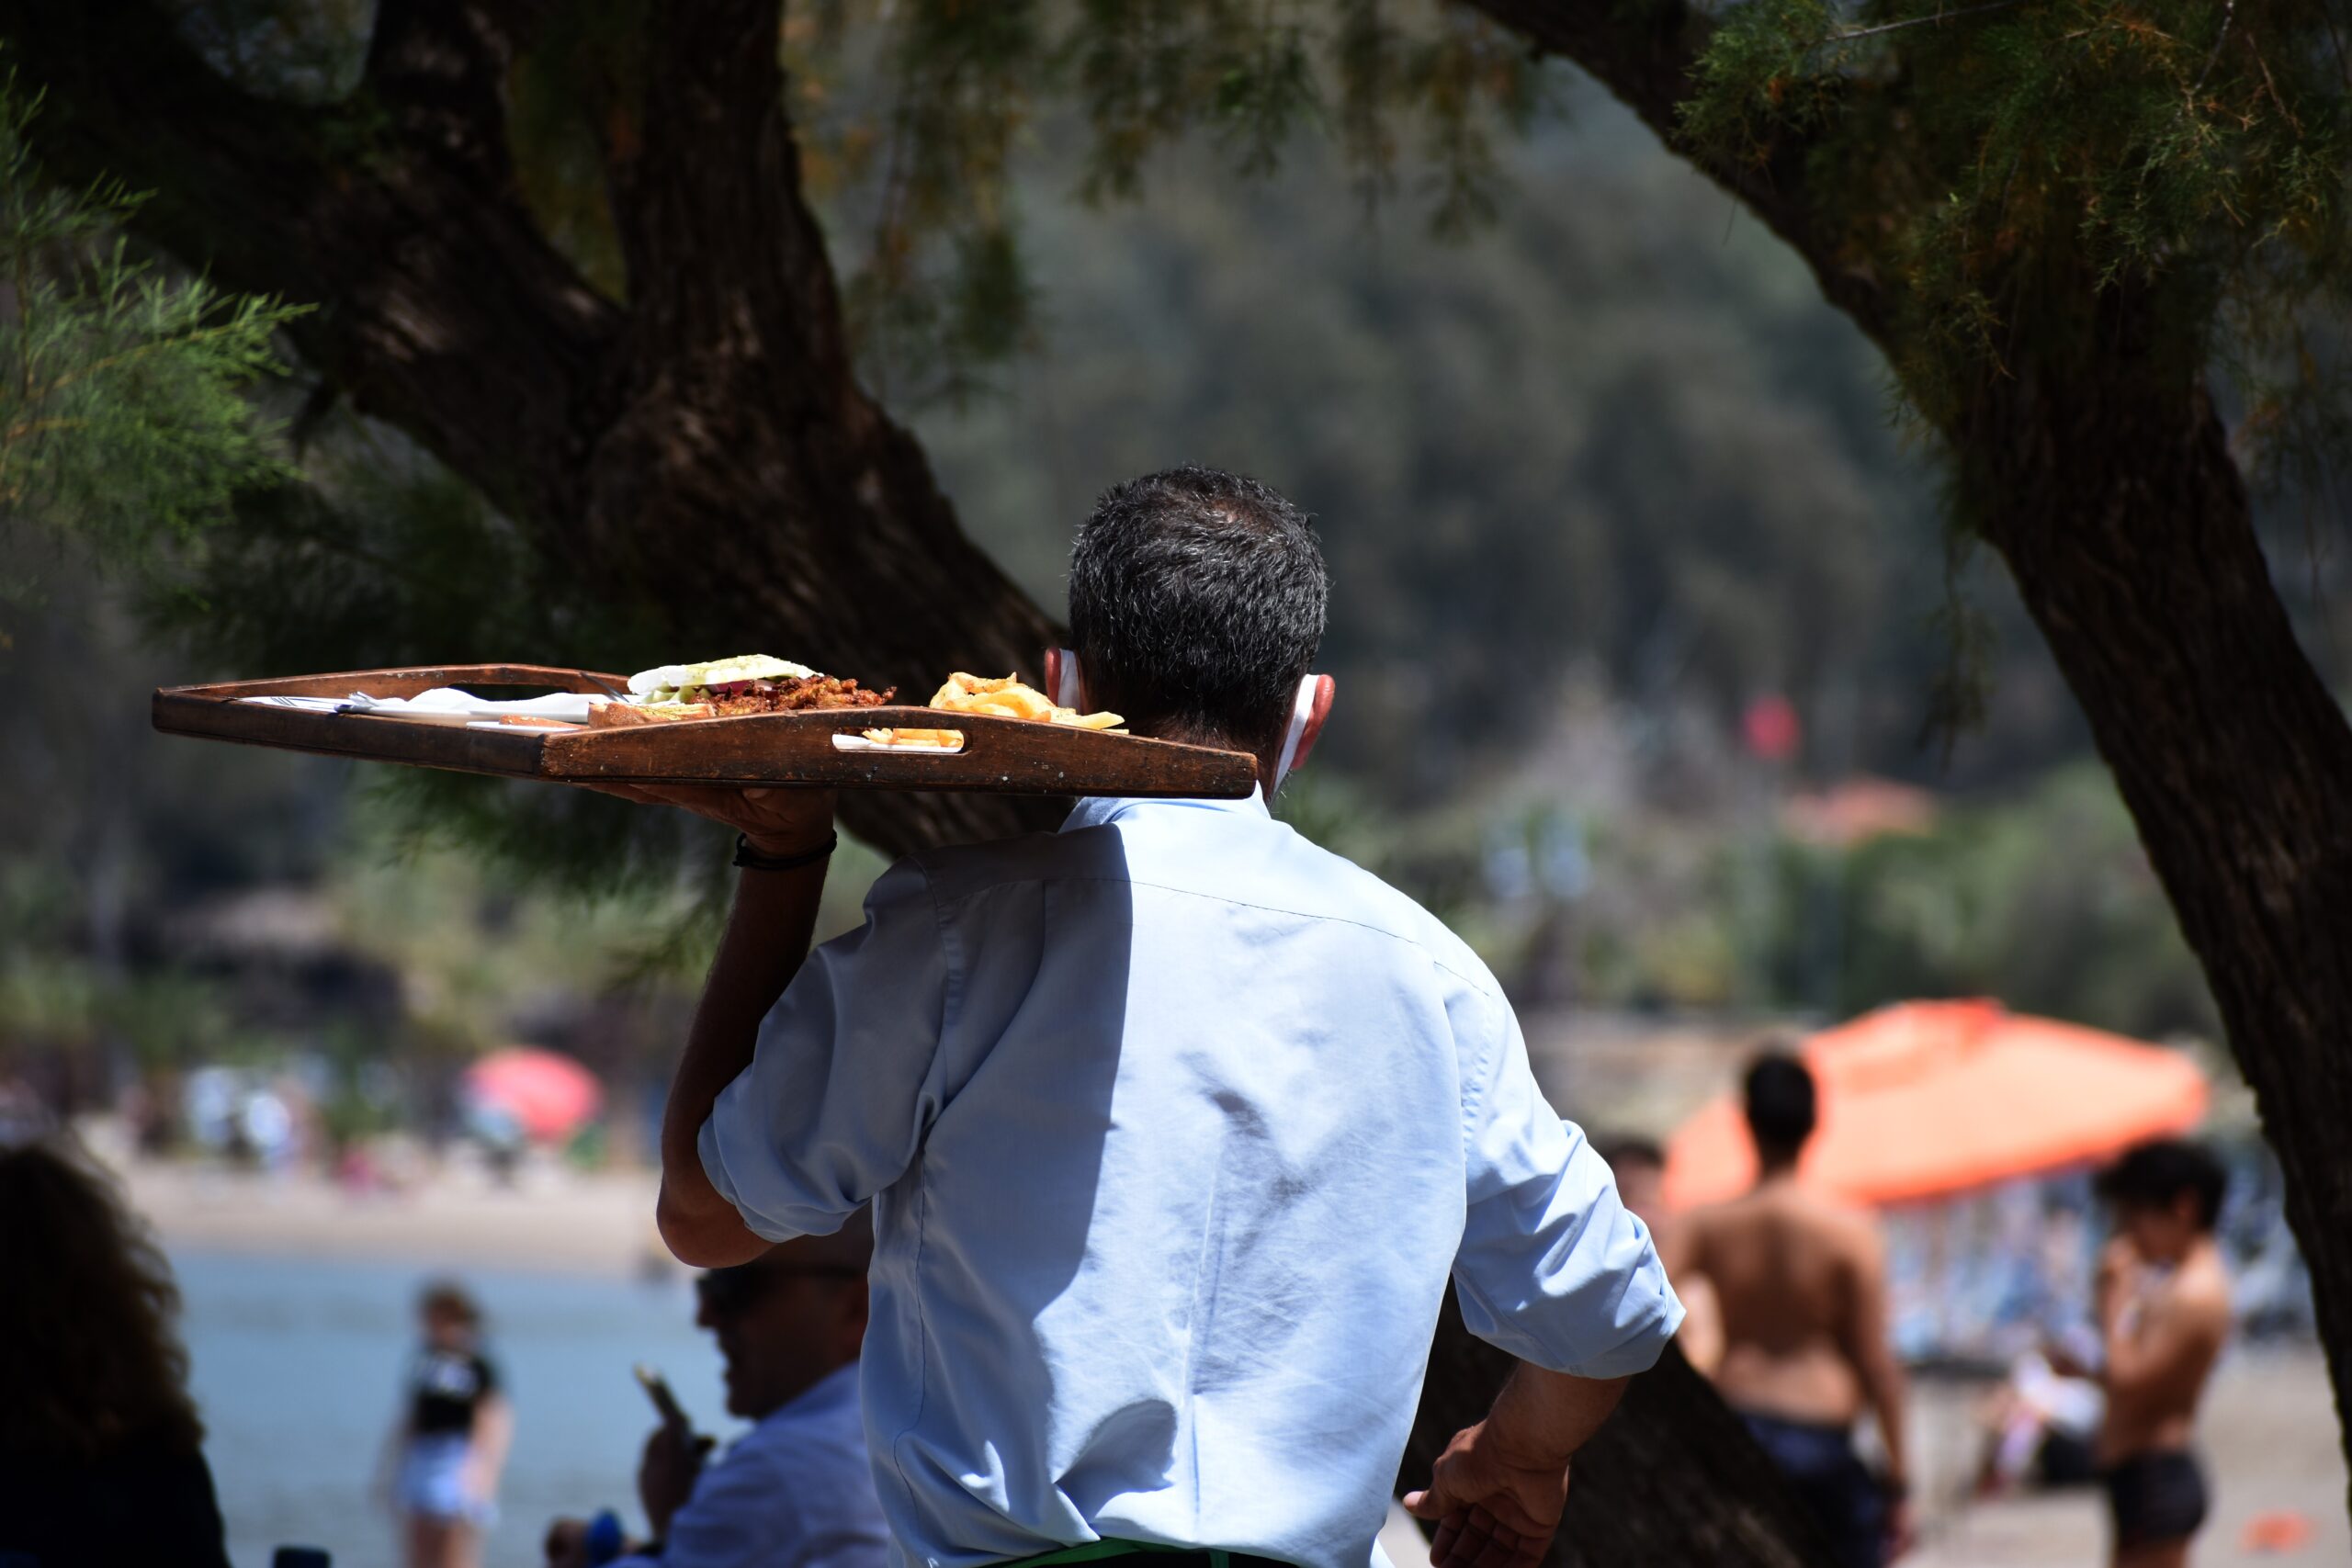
(1800, 1286)
(2163, 1300)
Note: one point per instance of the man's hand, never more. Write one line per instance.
(567, 1543)
(776, 821)
(1493, 1509)
(665, 1475)
(2116, 1280)
(1902, 1528)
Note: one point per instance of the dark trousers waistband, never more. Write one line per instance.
(1136, 1552)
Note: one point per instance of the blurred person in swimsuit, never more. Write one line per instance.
(2162, 1302)
(101, 1453)
(450, 1441)
(1800, 1286)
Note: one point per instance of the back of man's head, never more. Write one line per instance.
(2158, 1175)
(1780, 1104)
(1197, 604)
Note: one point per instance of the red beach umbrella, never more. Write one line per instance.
(550, 1095)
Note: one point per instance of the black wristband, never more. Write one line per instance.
(751, 859)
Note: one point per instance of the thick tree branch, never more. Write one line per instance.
(447, 313)
(438, 67)
(703, 453)
(1647, 52)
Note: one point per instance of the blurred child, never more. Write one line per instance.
(451, 1436)
(2163, 1303)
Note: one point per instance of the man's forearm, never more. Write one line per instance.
(1887, 1398)
(766, 941)
(1541, 1418)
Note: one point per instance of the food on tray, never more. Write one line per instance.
(619, 715)
(1008, 697)
(730, 688)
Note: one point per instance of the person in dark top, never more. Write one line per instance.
(450, 1439)
(101, 1453)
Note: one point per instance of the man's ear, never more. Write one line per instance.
(1064, 681)
(1325, 691)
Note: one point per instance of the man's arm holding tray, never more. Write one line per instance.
(795, 1098)
(766, 940)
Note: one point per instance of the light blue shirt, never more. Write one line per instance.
(1174, 1125)
(797, 1491)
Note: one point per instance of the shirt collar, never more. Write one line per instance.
(1094, 811)
(834, 1388)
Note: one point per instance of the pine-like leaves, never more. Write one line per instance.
(2003, 164)
(123, 419)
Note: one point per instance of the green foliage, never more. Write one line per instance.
(2015, 173)
(123, 420)
(380, 537)
(1980, 906)
(914, 119)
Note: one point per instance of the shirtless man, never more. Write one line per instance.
(1800, 1286)
(2163, 1300)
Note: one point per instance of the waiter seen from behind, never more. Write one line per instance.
(1173, 1124)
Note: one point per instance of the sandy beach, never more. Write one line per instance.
(2269, 1432)
(548, 1219)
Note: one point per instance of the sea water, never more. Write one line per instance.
(297, 1367)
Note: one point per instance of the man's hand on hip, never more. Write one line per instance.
(666, 1474)
(1492, 1510)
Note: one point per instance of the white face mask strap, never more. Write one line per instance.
(1066, 689)
(1301, 710)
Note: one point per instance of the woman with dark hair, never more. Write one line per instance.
(451, 1441)
(101, 1453)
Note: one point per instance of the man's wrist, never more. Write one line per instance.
(1513, 1443)
(782, 854)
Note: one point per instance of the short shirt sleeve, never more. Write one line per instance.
(1553, 1267)
(840, 1088)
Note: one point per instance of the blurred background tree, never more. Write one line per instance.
(584, 386)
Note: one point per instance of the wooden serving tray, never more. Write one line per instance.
(1001, 755)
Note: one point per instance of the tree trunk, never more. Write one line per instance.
(2112, 495)
(1673, 1481)
(2109, 489)
(701, 446)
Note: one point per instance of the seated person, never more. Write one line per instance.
(796, 1490)
(2039, 1427)
(101, 1453)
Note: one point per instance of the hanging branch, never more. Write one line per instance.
(1918, 21)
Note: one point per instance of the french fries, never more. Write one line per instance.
(1007, 698)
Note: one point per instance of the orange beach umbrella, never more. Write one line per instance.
(1923, 1100)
